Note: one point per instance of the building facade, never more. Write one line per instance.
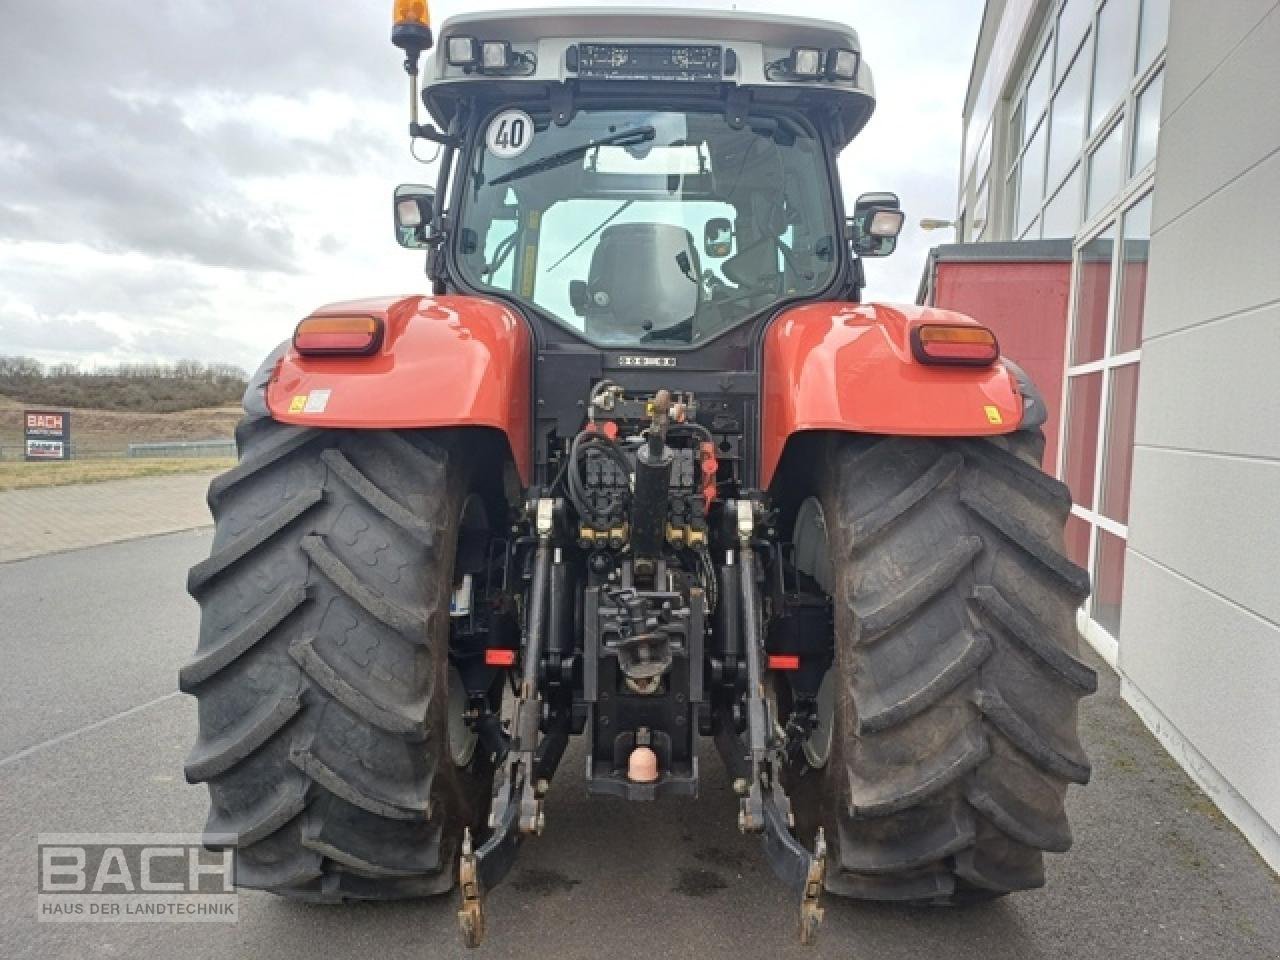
(1147, 132)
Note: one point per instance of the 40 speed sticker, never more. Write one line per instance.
(510, 134)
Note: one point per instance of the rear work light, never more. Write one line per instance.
(842, 64)
(462, 51)
(806, 62)
(338, 336)
(970, 346)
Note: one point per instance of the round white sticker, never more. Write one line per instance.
(510, 134)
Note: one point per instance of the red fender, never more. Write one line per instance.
(443, 362)
(849, 366)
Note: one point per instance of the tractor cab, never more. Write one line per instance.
(643, 180)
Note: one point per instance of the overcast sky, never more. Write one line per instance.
(185, 179)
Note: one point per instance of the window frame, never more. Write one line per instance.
(1125, 110)
(1091, 513)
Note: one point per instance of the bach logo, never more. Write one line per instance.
(135, 878)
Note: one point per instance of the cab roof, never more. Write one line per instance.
(547, 41)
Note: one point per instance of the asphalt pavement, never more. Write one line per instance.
(92, 738)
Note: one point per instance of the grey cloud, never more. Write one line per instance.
(173, 47)
(128, 291)
(98, 150)
(55, 334)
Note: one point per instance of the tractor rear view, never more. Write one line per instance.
(642, 469)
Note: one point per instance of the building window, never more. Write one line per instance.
(1066, 133)
(980, 205)
(1101, 400)
(1106, 170)
(1062, 215)
(1074, 20)
(1114, 64)
(1087, 109)
(1153, 33)
(1146, 124)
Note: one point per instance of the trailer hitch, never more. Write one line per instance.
(765, 806)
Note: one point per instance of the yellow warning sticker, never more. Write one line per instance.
(993, 414)
(297, 404)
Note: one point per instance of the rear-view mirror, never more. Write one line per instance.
(414, 210)
(876, 222)
(717, 238)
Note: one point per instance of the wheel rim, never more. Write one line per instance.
(473, 535)
(813, 558)
(462, 739)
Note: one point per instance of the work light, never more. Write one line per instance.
(462, 51)
(495, 55)
(842, 64)
(806, 62)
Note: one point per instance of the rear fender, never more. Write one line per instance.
(849, 367)
(443, 362)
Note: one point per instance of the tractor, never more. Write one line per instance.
(641, 469)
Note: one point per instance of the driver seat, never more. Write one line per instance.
(643, 276)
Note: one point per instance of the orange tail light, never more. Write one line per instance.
(963, 345)
(338, 336)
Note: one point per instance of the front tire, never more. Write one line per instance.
(956, 674)
(322, 670)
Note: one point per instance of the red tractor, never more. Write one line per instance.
(641, 469)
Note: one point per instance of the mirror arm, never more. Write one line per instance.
(437, 258)
(426, 131)
(857, 279)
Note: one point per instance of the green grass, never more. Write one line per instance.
(22, 476)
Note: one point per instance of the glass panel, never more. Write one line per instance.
(1113, 65)
(1093, 286)
(984, 153)
(611, 246)
(1108, 581)
(1084, 402)
(1146, 127)
(1015, 133)
(1133, 277)
(1154, 31)
(1031, 180)
(980, 209)
(1038, 88)
(1067, 132)
(1117, 462)
(1072, 23)
(1062, 215)
(1106, 170)
(1011, 198)
(1077, 537)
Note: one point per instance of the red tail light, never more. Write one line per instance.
(338, 336)
(496, 657)
(784, 661)
(965, 345)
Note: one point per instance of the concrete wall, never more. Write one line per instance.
(1200, 635)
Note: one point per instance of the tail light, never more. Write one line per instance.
(962, 345)
(498, 657)
(338, 336)
(784, 661)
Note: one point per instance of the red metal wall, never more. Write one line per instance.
(1025, 303)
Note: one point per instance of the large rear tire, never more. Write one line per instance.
(322, 670)
(953, 718)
